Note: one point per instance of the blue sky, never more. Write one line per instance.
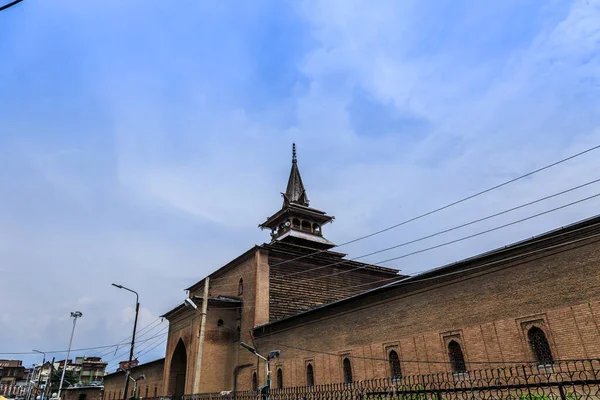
(142, 142)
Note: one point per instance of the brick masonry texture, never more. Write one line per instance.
(486, 304)
(152, 386)
(84, 393)
(487, 310)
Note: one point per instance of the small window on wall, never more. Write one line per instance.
(296, 223)
(394, 361)
(254, 381)
(220, 323)
(310, 375)
(155, 391)
(540, 346)
(279, 378)
(347, 366)
(456, 357)
(316, 228)
(241, 287)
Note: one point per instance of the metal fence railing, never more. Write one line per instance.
(561, 380)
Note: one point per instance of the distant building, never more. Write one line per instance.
(44, 375)
(89, 370)
(92, 369)
(71, 366)
(11, 371)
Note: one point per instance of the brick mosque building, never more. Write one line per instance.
(336, 320)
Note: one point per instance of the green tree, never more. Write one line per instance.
(71, 378)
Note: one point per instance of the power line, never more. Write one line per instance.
(456, 240)
(441, 208)
(452, 229)
(126, 353)
(440, 233)
(489, 230)
(126, 340)
(412, 280)
(400, 282)
(4, 7)
(416, 278)
(149, 350)
(74, 350)
(162, 332)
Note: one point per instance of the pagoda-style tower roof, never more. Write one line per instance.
(297, 222)
(295, 192)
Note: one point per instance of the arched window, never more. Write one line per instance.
(310, 375)
(254, 381)
(347, 370)
(296, 223)
(306, 226)
(456, 357)
(279, 378)
(155, 391)
(239, 333)
(540, 346)
(395, 370)
(146, 391)
(241, 287)
(220, 323)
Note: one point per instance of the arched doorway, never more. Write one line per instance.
(177, 371)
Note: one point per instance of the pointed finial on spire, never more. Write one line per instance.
(294, 152)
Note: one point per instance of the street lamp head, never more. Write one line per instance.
(117, 286)
(248, 347)
(141, 377)
(190, 303)
(76, 314)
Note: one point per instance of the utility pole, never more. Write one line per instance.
(39, 374)
(137, 310)
(201, 336)
(30, 383)
(48, 388)
(75, 315)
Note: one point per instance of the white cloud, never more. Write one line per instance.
(175, 170)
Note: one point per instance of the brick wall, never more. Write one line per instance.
(487, 311)
(152, 386)
(83, 393)
(222, 352)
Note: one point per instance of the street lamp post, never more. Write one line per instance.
(269, 357)
(30, 383)
(135, 381)
(137, 310)
(75, 315)
(40, 374)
